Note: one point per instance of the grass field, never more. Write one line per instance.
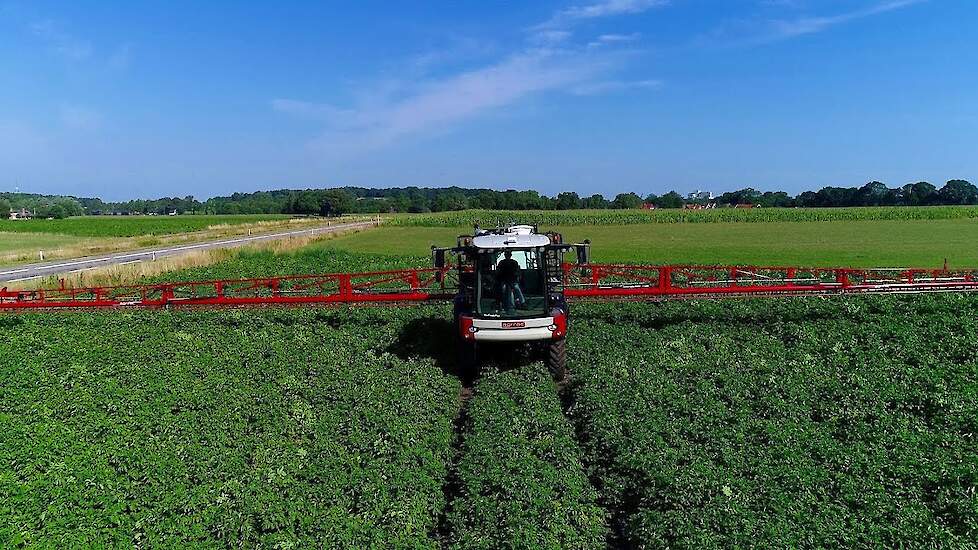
(887, 243)
(100, 235)
(129, 226)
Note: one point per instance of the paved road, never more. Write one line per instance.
(27, 272)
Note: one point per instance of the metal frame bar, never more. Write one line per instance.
(404, 285)
(668, 281)
(430, 284)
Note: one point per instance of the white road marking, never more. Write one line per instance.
(25, 279)
(12, 271)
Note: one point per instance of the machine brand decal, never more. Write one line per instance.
(514, 324)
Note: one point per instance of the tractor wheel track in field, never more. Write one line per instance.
(452, 485)
(617, 516)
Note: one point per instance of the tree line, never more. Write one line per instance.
(346, 200)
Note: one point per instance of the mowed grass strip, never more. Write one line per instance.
(259, 428)
(886, 243)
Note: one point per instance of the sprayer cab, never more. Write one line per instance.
(510, 289)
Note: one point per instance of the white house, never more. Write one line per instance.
(700, 196)
(22, 214)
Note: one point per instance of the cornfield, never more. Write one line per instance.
(629, 217)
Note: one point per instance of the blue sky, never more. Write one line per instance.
(143, 99)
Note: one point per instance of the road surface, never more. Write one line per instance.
(27, 272)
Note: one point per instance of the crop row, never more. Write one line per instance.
(520, 479)
(129, 226)
(789, 424)
(276, 428)
(548, 218)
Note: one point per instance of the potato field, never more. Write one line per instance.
(805, 422)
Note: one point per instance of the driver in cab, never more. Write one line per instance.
(508, 274)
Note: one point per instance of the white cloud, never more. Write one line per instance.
(550, 37)
(549, 61)
(60, 42)
(782, 29)
(607, 86)
(437, 105)
(606, 39)
(761, 31)
(605, 8)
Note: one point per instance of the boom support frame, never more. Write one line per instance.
(597, 281)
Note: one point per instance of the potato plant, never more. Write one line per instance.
(270, 428)
(800, 423)
(520, 479)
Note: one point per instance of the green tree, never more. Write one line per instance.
(568, 200)
(335, 202)
(57, 212)
(775, 199)
(4, 209)
(920, 193)
(671, 199)
(742, 196)
(626, 200)
(452, 200)
(596, 201)
(958, 192)
(876, 193)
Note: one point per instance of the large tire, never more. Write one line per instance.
(468, 361)
(556, 357)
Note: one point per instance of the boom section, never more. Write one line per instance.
(403, 285)
(442, 283)
(692, 281)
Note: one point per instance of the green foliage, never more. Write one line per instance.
(671, 199)
(804, 423)
(127, 226)
(312, 259)
(272, 428)
(4, 209)
(330, 202)
(521, 482)
(606, 217)
(958, 192)
(626, 200)
(568, 201)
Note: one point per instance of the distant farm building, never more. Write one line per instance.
(22, 214)
(700, 196)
